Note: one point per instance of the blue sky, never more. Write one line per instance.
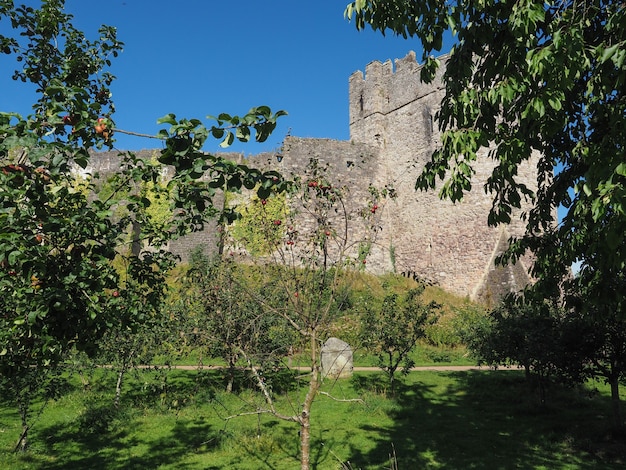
(202, 57)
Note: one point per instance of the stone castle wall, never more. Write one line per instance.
(392, 135)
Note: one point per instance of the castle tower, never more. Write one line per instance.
(393, 110)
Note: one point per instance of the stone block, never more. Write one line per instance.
(337, 360)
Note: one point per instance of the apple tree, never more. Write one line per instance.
(310, 259)
(597, 304)
(392, 331)
(226, 320)
(58, 242)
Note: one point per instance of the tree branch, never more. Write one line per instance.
(342, 400)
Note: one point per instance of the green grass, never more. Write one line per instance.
(435, 420)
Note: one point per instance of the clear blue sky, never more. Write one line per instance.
(202, 57)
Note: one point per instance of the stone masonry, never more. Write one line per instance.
(392, 135)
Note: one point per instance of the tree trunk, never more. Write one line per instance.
(615, 402)
(231, 375)
(305, 440)
(120, 377)
(118, 385)
(305, 416)
(391, 372)
(22, 442)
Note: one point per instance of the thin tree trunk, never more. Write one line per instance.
(22, 442)
(231, 374)
(392, 373)
(120, 377)
(305, 438)
(28, 387)
(305, 417)
(615, 402)
(118, 386)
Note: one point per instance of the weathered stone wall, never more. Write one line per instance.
(392, 135)
(447, 243)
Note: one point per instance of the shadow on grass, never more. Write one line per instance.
(163, 387)
(100, 436)
(484, 420)
(110, 445)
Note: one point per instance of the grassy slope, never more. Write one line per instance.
(347, 326)
(453, 420)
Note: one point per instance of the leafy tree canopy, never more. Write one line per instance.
(523, 77)
(60, 241)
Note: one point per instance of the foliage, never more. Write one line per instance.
(583, 339)
(260, 224)
(393, 330)
(59, 241)
(454, 324)
(522, 79)
(231, 324)
(543, 338)
(597, 304)
(158, 212)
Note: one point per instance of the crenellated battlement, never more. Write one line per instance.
(384, 90)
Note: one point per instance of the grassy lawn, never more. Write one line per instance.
(453, 420)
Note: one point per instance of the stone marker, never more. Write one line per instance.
(337, 359)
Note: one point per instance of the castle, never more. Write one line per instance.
(392, 136)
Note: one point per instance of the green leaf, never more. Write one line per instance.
(249, 183)
(168, 119)
(228, 140)
(264, 193)
(217, 182)
(243, 134)
(14, 256)
(554, 104)
(609, 52)
(198, 165)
